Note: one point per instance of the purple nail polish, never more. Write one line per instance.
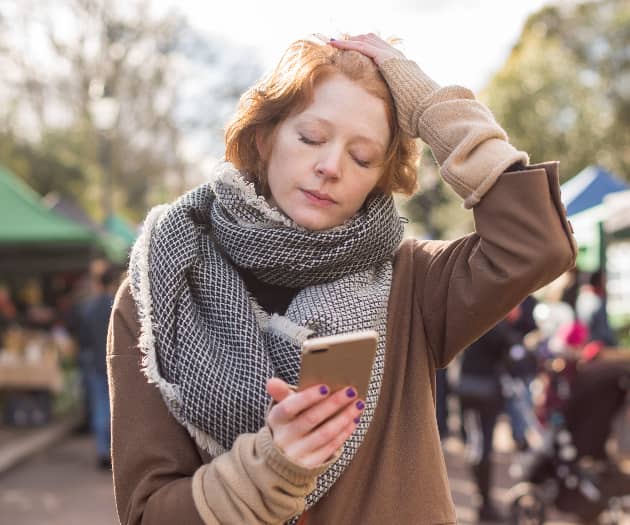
(333, 39)
(350, 392)
(323, 390)
(360, 405)
(356, 420)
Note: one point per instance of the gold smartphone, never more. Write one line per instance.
(339, 361)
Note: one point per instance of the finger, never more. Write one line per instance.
(288, 432)
(377, 53)
(370, 45)
(278, 389)
(328, 432)
(369, 39)
(324, 453)
(319, 413)
(356, 45)
(293, 404)
(374, 39)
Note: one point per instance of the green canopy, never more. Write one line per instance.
(34, 238)
(119, 227)
(25, 220)
(114, 248)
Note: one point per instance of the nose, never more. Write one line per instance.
(329, 163)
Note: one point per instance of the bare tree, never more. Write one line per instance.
(66, 57)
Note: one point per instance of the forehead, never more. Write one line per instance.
(348, 109)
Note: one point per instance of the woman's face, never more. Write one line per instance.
(325, 160)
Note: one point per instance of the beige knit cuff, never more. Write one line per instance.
(468, 144)
(497, 156)
(284, 466)
(199, 496)
(410, 88)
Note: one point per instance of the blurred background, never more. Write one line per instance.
(109, 107)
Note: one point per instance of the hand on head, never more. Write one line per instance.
(371, 46)
(310, 426)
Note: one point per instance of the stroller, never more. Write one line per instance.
(570, 469)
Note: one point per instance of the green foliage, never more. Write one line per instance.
(435, 211)
(58, 163)
(564, 92)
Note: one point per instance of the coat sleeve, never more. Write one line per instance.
(160, 476)
(522, 242)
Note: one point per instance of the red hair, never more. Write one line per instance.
(289, 89)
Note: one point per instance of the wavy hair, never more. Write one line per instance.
(289, 88)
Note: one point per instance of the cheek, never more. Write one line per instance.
(277, 166)
(287, 147)
(365, 186)
(283, 162)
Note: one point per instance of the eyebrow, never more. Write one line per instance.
(363, 138)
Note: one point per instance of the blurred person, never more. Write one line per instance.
(564, 351)
(296, 235)
(590, 309)
(522, 367)
(572, 470)
(93, 320)
(80, 292)
(8, 311)
(481, 399)
(571, 287)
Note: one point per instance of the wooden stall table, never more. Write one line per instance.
(28, 388)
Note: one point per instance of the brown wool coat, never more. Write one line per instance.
(444, 295)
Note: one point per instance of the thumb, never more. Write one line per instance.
(278, 389)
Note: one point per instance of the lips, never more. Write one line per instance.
(316, 197)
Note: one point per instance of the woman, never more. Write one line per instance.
(296, 235)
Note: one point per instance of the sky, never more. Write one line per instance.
(455, 41)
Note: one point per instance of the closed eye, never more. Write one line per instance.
(308, 141)
(362, 163)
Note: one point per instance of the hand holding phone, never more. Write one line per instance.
(310, 426)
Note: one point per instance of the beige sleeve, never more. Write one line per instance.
(252, 483)
(471, 148)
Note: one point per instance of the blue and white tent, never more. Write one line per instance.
(583, 196)
(588, 189)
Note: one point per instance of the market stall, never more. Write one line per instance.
(44, 257)
(617, 230)
(583, 196)
(34, 238)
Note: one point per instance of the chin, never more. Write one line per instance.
(314, 223)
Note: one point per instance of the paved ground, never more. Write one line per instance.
(62, 486)
(463, 488)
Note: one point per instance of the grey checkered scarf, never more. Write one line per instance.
(209, 346)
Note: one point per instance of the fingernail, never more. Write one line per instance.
(350, 392)
(360, 405)
(323, 390)
(333, 39)
(357, 419)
